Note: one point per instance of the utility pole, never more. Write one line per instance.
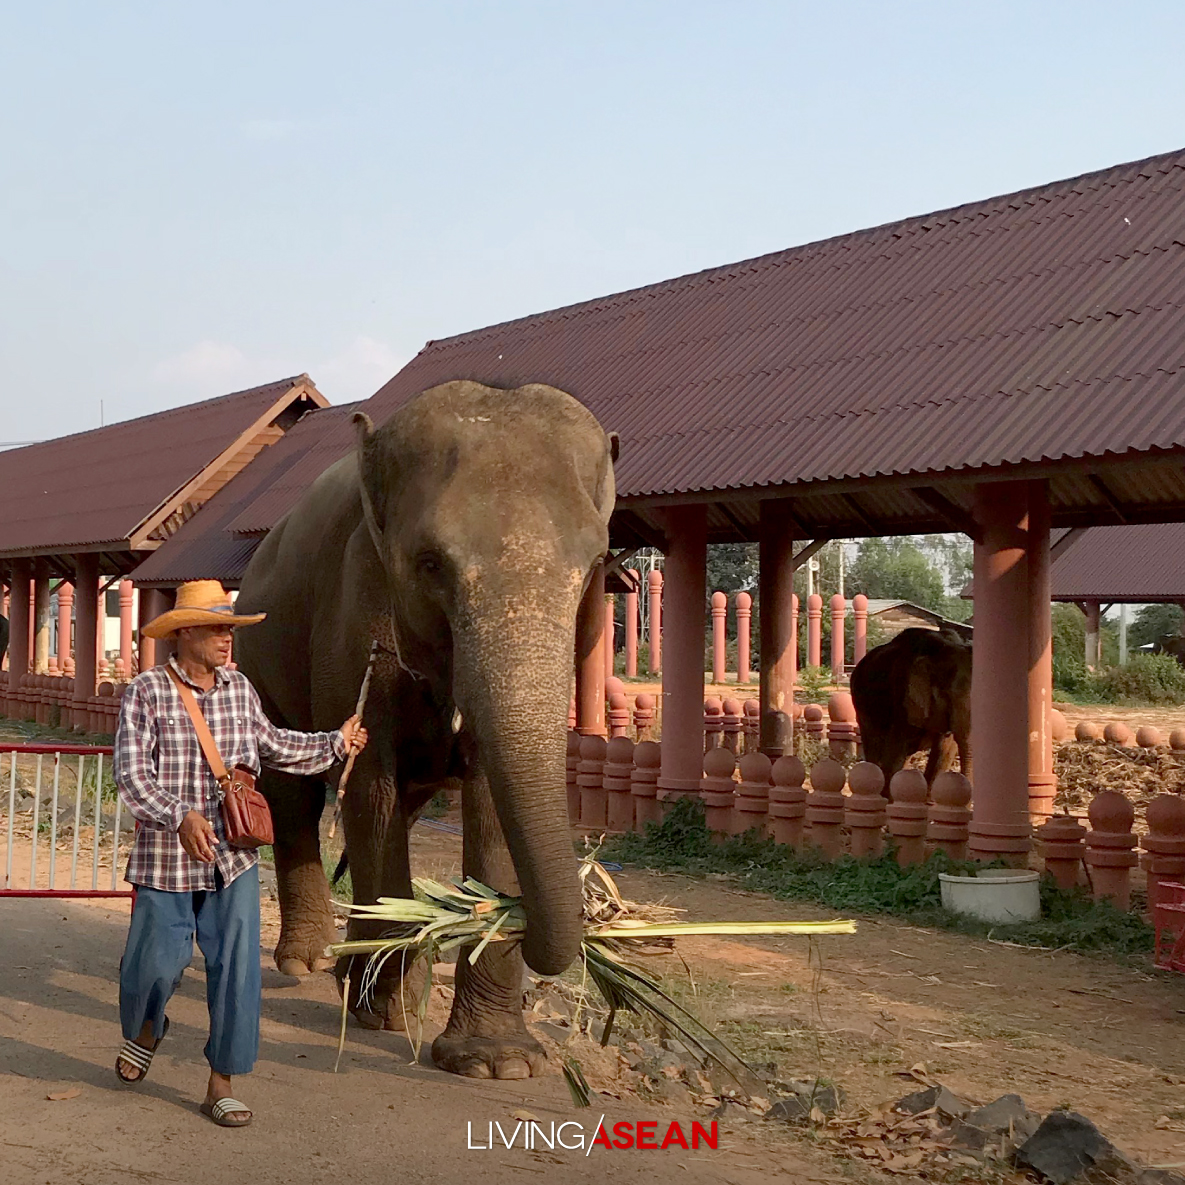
(1123, 635)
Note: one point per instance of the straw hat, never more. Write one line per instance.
(199, 602)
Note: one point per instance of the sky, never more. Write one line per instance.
(198, 198)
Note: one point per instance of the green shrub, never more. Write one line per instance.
(1148, 679)
(813, 683)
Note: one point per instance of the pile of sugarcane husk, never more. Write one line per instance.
(1084, 768)
(441, 918)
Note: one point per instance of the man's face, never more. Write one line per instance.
(205, 644)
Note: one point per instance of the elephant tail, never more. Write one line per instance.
(340, 870)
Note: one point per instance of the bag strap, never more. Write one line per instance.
(205, 739)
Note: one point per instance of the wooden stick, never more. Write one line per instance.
(359, 708)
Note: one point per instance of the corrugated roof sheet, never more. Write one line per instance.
(1134, 564)
(206, 547)
(1041, 325)
(99, 486)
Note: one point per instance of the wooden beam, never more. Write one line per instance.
(801, 557)
(614, 562)
(1108, 497)
(858, 511)
(646, 535)
(1066, 542)
(742, 530)
(960, 519)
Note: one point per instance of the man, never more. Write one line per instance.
(187, 877)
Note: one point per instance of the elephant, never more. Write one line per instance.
(912, 693)
(3, 634)
(460, 536)
(1173, 644)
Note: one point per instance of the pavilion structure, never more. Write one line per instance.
(79, 513)
(1006, 368)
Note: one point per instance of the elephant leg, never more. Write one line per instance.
(942, 756)
(376, 842)
(486, 1036)
(306, 915)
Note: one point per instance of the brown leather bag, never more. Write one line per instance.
(246, 817)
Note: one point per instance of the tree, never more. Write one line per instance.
(895, 568)
(1153, 622)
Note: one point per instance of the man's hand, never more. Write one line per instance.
(354, 735)
(197, 837)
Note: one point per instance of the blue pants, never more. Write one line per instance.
(160, 947)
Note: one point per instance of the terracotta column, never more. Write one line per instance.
(686, 529)
(839, 608)
(125, 627)
(65, 609)
(814, 630)
(860, 637)
(778, 630)
(18, 623)
(86, 627)
(1000, 678)
(590, 659)
(744, 606)
(654, 626)
(631, 624)
(1092, 634)
(153, 602)
(40, 617)
(719, 636)
(1042, 779)
(610, 634)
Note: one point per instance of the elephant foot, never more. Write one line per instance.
(509, 1056)
(301, 957)
(298, 968)
(393, 1002)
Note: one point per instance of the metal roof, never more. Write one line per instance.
(208, 546)
(1137, 565)
(99, 487)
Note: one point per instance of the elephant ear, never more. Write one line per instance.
(367, 476)
(919, 694)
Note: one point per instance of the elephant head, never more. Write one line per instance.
(489, 509)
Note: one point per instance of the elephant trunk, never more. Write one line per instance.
(517, 715)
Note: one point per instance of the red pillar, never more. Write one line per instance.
(19, 651)
(814, 630)
(1042, 779)
(65, 625)
(125, 627)
(654, 627)
(838, 608)
(686, 529)
(719, 636)
(86, 629)
(778, 626)
(1000, 675)
(744, 618)
(40, 617)
(590, 659)
(153, 602)
(608, 638)
(631, 624)
(860, 640)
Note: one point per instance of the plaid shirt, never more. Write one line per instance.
(162, 773)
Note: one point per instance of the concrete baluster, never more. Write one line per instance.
(644, 784)
(839, 608)
(864, 810)
(719, 638)
(125, 626)
(731, 725)
(1059, 728)
(744, 607)
(1148, 737)
(812, 714)
(619, 715)
(1062, 849)
(814, 630)
(654, 626)
(949, 815)
(713, 722)
(787, 801)
(590, 773)
(1110, 854)
(1164, 845)
(717, 791)
(571, 763)
(860, 634)
(751, 724)
(1087, 730)
(1177, 740)
(1118, 733)
(617, 781)
(841, 725)
(825, 807)
(751, 808)
(643, 717)
(907, 815)
(631, 623)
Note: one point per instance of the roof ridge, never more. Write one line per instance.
(769, 257)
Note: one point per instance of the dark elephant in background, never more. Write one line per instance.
(461, 535)
(3, 634)
(1173, 644)
(912, 693)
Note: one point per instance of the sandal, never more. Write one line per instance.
(138, 1058)
(223, 1112)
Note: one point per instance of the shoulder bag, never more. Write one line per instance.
(245, 814)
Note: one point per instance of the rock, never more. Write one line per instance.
(670, 1091)
(24, 804)
(680, 1050)
(945, 1102)
(1068, 1147)
(558, 1033)
(731, 1112)
(806, 1097)
(1007, 1115)
(791, 1110)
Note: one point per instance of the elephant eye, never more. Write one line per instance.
(428, 563)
